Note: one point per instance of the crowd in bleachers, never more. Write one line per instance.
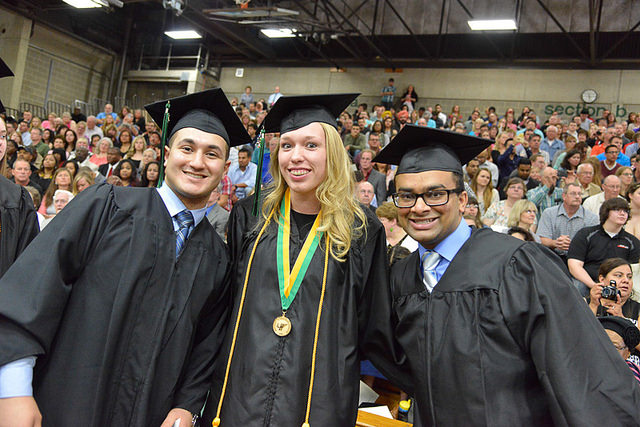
(568, 182)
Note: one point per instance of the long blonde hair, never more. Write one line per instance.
(487, 196)
(335, 194)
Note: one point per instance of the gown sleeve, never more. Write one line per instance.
(30, 226)
(375, 320)
(584, 378)
(34, 291)
(192, 391)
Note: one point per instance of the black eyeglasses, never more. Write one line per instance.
(439, 197)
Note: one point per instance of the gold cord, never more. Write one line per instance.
(216, 421)
(315, 338)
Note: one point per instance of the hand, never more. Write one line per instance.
(595, 294)
(183, 415)
(571, 177)
(614, 308)
(525, 143)
(563, 242)
(19, 412)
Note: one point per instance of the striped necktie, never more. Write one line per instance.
(185, 222)
(430, 260)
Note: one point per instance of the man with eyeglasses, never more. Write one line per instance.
(487, 322)
(620, 157)
(609, 166)
(558, 224)
(585, 178)
(610, 189)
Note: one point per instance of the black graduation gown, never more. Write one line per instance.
(18, 220)
(269, 377)
(505, 340)
(123, 331)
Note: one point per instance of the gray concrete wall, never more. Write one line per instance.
(543, 90)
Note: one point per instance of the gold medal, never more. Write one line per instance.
(282, 326)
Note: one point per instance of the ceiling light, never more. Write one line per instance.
(493, 25)
(183, 34)
(84, 4)
(278, 33)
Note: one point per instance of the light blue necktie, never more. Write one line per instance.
(430, 260)
(185, 222)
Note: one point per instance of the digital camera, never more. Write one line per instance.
(611, 292)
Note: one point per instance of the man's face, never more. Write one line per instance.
(365, 193)
(535, 142)
(23, 127)
(618, 217)
(113, 155)
(608, 134)
(612, 154)
(572, 198)
(493, 118)
(528, 134)
(277, 89)
(585, 175)
(108, 108)
(374, 141)
(438, 109)
(573, 127)
(27, 115)
(618, 129)
(430, 225)
(611, 187)
(149, 127)
(365, 161)
(91, 122)
(549, 177)
(524, 171)
(36, 136)
(154, 140)
(243, 159)
(355, 131)
(81, 154)
(82, 143)
(475, 115)
(472, 168)
(21, 172)
(552, 133)
(482, 157)
(194, 165)
(617, 141)
(60, 201)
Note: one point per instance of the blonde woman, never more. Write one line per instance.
(523, 215)
(136, 151)
(482, 187)
(296, 336)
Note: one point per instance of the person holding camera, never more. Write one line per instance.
(611, 295)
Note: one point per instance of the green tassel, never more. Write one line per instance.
(258, 185)
(165, 123)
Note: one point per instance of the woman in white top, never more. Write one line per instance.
(486, 194)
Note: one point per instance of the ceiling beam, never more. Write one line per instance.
(406, 26)
(564, 31)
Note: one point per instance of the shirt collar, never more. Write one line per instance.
(175, 205)
(450, 246)
(563, 211)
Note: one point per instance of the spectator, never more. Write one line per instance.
(618, 271)
(633, 225)
(547, 194)
(377, 180)
(60, 199)
(113, 158)
(22, 174)
(388, 93)
(70, 139)
(609, 165)
(247, 97)
(523, 215)
(150, 174)
(497, 215)
(585, 179)
(48, 168)
(507, 161)
(127, 172)
(149, 127)
(148, 156)
(620, 158)
(274, 96)
(482, 187)
(559, 224)
(354, 142)
(470, 170)
(611, 189)
(125, 141)
(625, 173)
(551, 143)
(216, 214)
(472, 213)
(388, 130)
(569, 164)
(243, 175)
(72, 167)
(604, 136)
(521, 234)
(136, 152)
(485, 163)
(410, 97)
(138, 119)
(377, 129)
(585, 121)
(625, 337)
(592, 245)
(37, 143)
(25, 133)
(397, 238)
(102, 117)
(365, 194)
(534, 147)
(83, 180)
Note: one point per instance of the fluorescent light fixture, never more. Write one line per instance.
(84, 4)
(183, 34)
(278, 33)
(492, 25)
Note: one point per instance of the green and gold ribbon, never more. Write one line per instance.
(290, 280)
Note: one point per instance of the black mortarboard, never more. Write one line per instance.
(4, 72)
(418, 149)
(293, 112)
(623, 327)
(208, 111)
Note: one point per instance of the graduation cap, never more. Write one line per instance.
(294, 112)
(208, 111)
(4, 72)
(419, 149)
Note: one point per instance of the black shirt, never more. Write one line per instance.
(593, 245)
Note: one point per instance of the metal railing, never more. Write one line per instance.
(58, 108)
(36, 110)
(84, 107)
(13, 112)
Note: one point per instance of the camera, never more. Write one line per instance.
(611, 292)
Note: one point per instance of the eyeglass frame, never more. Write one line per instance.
(422, 196)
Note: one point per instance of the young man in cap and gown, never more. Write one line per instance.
(309, 276)
(125, 314)
(492, 329)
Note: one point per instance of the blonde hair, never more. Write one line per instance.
(518, 208)
(487, 196)
(335, 194)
